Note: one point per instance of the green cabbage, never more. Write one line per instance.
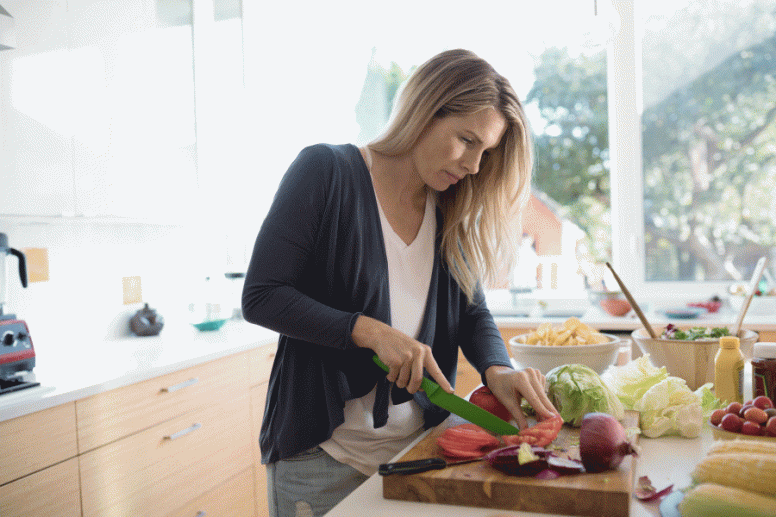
(576, 390)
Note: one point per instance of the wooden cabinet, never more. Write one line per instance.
(35, 441)
(183, 444)
(152, 472)
(108, 416)
(235, 498)
(52, 492)
(38, 464)
(260, 361)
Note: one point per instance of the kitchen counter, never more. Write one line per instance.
(666, 460)
(95, 365)
(508, 316)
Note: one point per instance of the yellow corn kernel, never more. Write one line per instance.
(713, 500)
(744, 470)
(741, 445)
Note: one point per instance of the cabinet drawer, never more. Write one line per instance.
(52, 492)
(155, 471)
(35, 441)
(108, 416)
(260, 363)
(232, 499)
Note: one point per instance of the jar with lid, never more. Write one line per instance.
(729, 370)
(764, 370)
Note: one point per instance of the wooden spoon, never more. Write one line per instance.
(633, 303)
(758, 273)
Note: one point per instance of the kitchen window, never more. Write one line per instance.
(696, 93)
(329, 73)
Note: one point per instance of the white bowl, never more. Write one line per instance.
(692, 361)
(544, 358)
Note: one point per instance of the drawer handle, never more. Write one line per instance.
(183, 432)
(201, 514)
(180, 386)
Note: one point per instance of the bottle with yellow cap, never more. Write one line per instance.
(729, 370)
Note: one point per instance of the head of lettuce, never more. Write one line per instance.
(577, 390)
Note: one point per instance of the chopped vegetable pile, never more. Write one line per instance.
(694, 333)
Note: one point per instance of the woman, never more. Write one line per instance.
(382, 250)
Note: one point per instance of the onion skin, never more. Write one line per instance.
(603, 443)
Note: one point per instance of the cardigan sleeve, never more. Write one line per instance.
(275, 293)
(482, 343)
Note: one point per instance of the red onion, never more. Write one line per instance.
(602, 442)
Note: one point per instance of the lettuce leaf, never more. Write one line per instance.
(576, 390)
(670, 407)
(666, 404)
(632, 380)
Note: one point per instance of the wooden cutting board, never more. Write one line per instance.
(605, 494)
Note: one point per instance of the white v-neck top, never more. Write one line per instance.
(356, 442)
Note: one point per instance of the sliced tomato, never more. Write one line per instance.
(471, 434)
(463, 454)
(541, 434)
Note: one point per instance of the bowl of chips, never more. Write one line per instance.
(571, 342)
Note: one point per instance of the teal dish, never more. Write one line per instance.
(210, 325)
(684, 313)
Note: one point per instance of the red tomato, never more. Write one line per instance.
(751, 428)
(762, 402)
(485, 399)
(770, 426)
(541, 434)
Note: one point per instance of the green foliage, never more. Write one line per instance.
(572, 152)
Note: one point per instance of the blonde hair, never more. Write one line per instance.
(481, 213)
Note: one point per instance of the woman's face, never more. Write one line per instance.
(454, 146)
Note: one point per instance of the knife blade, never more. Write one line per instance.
(458, 406)
(417, 466)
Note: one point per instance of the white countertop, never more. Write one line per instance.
(666, 460)
(73, 371)
(597, 318)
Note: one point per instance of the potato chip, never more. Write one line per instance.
(571, 332)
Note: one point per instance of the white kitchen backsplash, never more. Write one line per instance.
(89, 258)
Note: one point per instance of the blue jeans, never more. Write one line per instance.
(309, 484)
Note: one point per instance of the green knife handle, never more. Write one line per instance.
(411, 467)
(426, 384)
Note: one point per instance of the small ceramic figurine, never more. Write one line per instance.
(146, 322)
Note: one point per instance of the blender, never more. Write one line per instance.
(17, 355)
(5, 250)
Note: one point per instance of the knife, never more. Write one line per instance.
(458, 406)
(417, 466)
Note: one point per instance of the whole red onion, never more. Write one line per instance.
(603, 443)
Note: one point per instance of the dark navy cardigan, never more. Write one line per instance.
(318, 263)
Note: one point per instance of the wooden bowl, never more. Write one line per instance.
(692, 361)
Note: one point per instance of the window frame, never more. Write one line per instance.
(624, 77)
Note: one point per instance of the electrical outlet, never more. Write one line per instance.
(37, 264)
(133, 289)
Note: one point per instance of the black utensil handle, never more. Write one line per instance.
(411, 467)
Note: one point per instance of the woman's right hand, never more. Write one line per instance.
(405, 357)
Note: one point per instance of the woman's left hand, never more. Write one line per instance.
(512, 386)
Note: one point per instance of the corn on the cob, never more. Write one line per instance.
(746, 446)
(713, 500)
(745, 470)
